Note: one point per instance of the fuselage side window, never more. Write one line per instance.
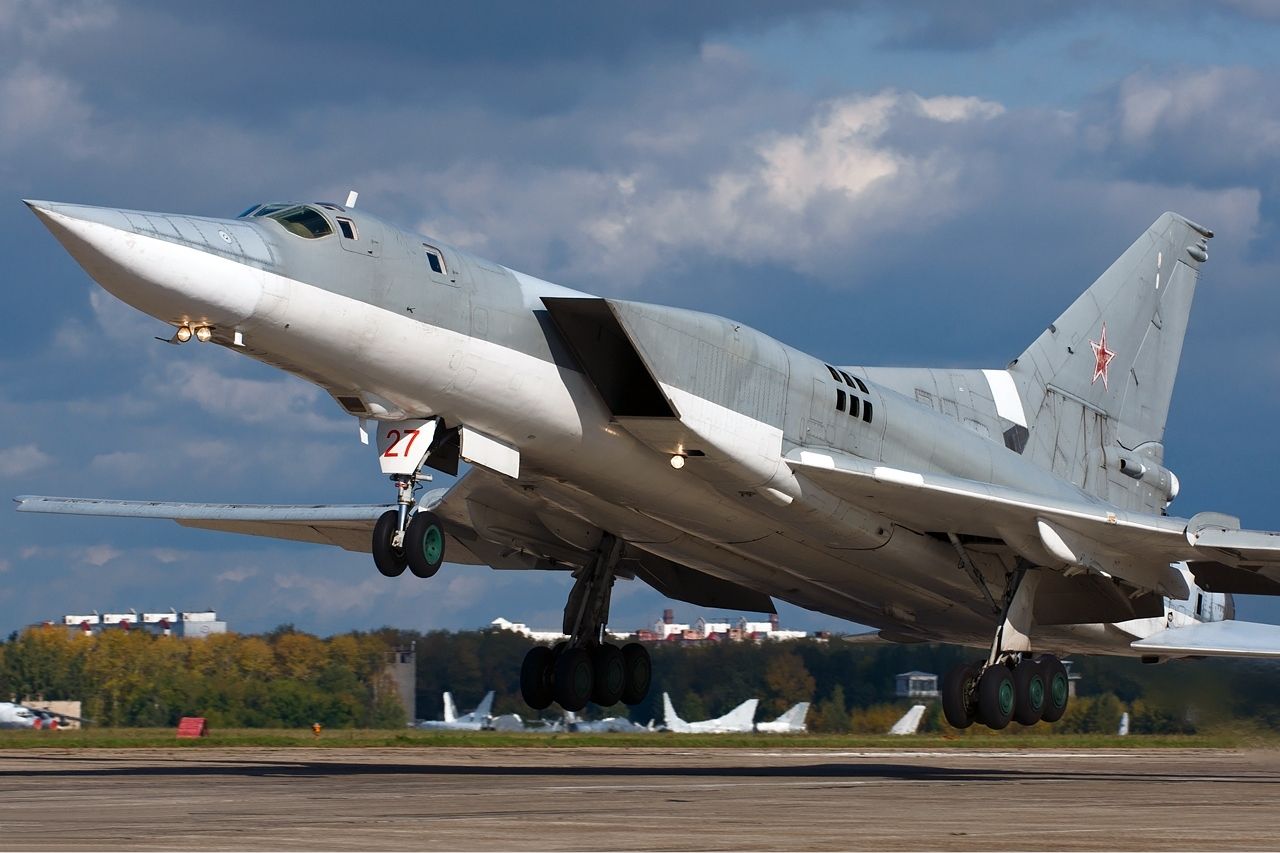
(866, 411)
(347, 227)
(839, 400)
(434, 259)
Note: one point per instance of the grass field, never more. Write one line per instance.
(974, 739)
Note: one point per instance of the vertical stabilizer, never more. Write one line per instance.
(909, 724)
(669, 716)
(450, 711)
(741, 718)
(485, 708)
(1096, 385)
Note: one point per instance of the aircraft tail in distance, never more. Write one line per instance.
(1095, 386)
(909, 724)
(485, 708)
(669, 716)
(450, 710)
(791, 721)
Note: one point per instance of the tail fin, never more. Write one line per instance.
(794, 717)
(1096, 385)
(669, 715)
(741, 718)
(450, 710)
(909, 724)
(485, 708)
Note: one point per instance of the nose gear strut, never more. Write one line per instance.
(403, 537)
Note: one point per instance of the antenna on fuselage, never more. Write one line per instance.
(351, 198)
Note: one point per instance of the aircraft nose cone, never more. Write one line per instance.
(159, 263)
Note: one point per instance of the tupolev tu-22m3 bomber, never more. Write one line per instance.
(1022, 511)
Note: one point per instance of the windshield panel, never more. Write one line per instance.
(304, 221)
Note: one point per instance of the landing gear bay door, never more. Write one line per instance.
(403, 445)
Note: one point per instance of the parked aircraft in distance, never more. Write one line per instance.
(14, 715)
(480, 718)
(612, 725)
(791, 722)
(740, 719)
(909, 723)
(1022, 510)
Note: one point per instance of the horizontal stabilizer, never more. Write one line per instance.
(1215, 639)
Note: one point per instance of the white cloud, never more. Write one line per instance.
(236, 575)
(100, 555)
(253, 401)
(38, 107)
(22, 459)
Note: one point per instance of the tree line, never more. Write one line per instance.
(288, 678)
(285, 678)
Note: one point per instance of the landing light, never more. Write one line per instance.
(677, 462)
(203, 334)
(183, 334)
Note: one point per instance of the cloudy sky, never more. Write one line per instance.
(874, 182)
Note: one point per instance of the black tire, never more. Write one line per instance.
(424, 544)
(389, 559)
(535, 677)
(958, 693)
(996, 697)
(1057, 690)
(1029, 692)
(639, 673)
(608, 676)
(573, 679)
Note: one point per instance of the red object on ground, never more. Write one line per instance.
(192, 727)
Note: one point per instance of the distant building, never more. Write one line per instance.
(916, 685)
(715, 630)
(402, 673)
(501, 624)
(187, 623)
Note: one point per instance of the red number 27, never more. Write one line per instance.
(411, 434)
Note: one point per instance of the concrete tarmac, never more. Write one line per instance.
(638, 799)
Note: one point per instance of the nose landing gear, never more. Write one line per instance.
(586, 668)
(403, 538)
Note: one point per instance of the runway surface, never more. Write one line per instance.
(638, 799)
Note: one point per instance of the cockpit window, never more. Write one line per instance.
(265, 209)
(304, 221)
(248, 211)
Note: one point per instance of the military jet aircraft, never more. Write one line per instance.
(741, 719)
(790, 722)
(1022, 510)
(481, 717)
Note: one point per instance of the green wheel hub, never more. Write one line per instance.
(1059, 690)
(1036, 691)
(1006, 696)
(433, 544)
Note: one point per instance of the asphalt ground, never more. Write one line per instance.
(251, 798)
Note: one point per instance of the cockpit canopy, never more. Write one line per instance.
(303, 220)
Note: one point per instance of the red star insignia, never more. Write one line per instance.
(1102, 358)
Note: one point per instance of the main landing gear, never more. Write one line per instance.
(585, 668)
(404, 538)
(1011, 684)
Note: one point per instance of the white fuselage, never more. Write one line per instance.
(577, 457)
